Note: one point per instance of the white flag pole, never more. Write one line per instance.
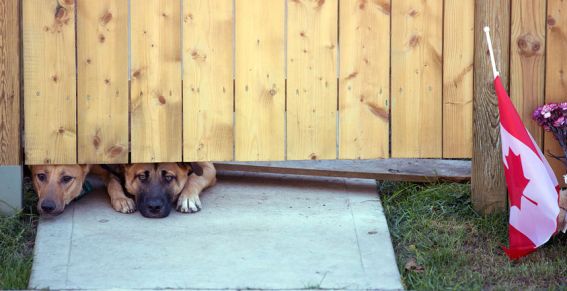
(489, 41)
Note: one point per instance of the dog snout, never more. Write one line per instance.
(155, 205)
(48, 206)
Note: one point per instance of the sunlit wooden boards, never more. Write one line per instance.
(208, 93)
(364, 88)
(10, 83)
(417, 28)
(458, 59)
(156, 102)
(260, 85)
(102, 88)
(50, 82)
(556, 70)
(527, 60)
(312, 79)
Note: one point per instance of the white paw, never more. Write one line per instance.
(189, 204)
(124, 205)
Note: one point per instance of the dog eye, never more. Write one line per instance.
(67, 179)
(142, 177)
(41, 177)
(168, 178)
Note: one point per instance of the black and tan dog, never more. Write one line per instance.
(154, 186)
(157, 186)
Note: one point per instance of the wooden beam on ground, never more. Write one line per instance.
(487, 181)
(413, 170)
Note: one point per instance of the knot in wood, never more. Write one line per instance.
(529, 45)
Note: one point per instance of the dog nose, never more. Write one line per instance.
(48, 206)
(154, 205)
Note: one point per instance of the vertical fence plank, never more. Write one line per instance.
(527, 63)
(312, 80)
(417, 28)
(9, 83)
(364, 90)
(208, 85)
(555, 78)
(102, 102)
(50, 83)
(458, 59)
(260, 86)
(156, 81)
(487, 181)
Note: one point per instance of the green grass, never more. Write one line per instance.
(17, 235)
(447, 245)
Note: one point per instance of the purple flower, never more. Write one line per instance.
(548, 109)
(559, 121)
(553, 117)
(537, 113)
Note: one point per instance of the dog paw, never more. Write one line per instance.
(124, 205)
(189, 204)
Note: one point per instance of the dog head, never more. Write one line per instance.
(57, 185)
(155, 186)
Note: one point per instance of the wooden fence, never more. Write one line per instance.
(113, 81)
(246, 80)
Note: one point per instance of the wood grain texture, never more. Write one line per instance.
(556, 79)
(312, 79)
(527, 61)
(487, 181)
(102, 99)
(10, 153)
(413, 170)
(364, 90)
(260, 85)
(156, 105)
(208, 95)
(50, 81)
(458, 59)
(417, 28)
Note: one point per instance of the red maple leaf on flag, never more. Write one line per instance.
(517, 182)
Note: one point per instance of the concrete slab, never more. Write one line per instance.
(255, 232)
(11, 199)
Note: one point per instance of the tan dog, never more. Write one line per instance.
(157, 186)
(58, 185)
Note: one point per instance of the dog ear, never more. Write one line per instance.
(196, 169)
(86, 168)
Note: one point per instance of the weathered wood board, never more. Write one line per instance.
(414, 170)
(10, 146)
(488, 184)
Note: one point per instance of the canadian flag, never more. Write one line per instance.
(533, 191)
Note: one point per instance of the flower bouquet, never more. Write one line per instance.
(553, 118)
